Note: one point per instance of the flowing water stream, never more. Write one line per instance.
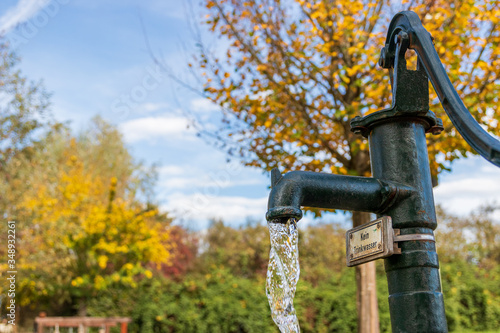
(283, 274)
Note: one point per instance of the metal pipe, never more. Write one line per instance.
(328, 191)
(415, 298)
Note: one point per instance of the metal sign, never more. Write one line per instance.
(370, 241)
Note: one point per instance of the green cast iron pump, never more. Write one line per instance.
(400, 191)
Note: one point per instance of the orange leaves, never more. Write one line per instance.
(311, 66)
(261, 67)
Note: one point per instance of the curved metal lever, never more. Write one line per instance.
(421, 41)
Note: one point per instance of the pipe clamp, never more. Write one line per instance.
(412, 237)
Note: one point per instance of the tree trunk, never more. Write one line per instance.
(82, 307)
(366, 295)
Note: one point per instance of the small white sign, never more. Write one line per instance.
(369, 241)
(366, 241)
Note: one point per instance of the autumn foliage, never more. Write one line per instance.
(296, 72)
(97, 239)
(81, 226)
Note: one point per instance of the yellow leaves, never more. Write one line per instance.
(352, 71)
(128, 266)
(344, 78)
(261, 67)
(317, 14)
(77, 282)
(322, 70)
(95, 232)
(102, 261)
(352, 50)
(99, 283)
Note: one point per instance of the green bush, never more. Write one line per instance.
(216, 302)
(471, 295)
(222, 302)
(329, 307)
(218, 296)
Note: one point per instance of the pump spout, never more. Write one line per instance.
(328, 191)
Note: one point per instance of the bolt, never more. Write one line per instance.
(378, 225)
(435, 130)
(402, 35)
(379, 246)
(350, 236)
(351, 256)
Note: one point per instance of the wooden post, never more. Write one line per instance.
(123, 328)
(366, 295)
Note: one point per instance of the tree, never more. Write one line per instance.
(468, 248)
(183, 251)
(295, 72)
(245, 251)
(474, 239)
(24, 116)
(82, 227)
(23, 107)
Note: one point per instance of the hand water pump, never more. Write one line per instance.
(400, 191)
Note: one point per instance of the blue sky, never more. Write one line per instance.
(93, 57)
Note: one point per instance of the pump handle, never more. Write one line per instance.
(421, 41)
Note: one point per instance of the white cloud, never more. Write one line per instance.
(171, 170)
(151, 107)
(203, 105)
(179, 183)
(192, 177)
(199, 208)
(194, 180)
(205, 178)
(463, 194)
(469, 187)
(22, 12)
(151, 128)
